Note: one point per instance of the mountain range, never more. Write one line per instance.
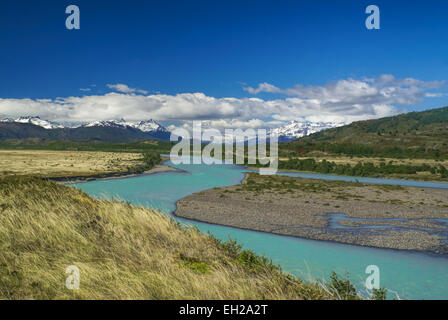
(111, 131)
(35, 121)
(122, 130)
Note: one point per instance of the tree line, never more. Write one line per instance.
(362, 169)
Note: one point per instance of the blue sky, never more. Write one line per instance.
(219, 48)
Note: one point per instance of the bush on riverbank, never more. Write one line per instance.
(149, 159)
(122, 252)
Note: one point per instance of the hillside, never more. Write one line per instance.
(125, 252)
(413, 135)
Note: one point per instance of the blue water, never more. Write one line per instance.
(411, 275)
(442, 221)
(335, 218)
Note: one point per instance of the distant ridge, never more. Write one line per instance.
(421, 134)
(36, 120)
(112, 130)
(430, 121)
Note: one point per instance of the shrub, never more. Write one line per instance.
(342, 287)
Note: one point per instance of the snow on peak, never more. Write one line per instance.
(34, 120)
(297, 129)
(106, 123)
(144, 125)
(150, 126)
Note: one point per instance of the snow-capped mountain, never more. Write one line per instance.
(139, 129)
(293, 130)
(151, 126)
(106, 123)
(145, 125)
(297, 129)
(36, 121)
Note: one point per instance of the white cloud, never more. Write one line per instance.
(386, 89)
(263, 87)
(342, 101)
(125, 89)
(223, 124)
(434, 95)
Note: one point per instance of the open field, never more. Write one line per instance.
(125, 252)
(379, 216)
(45, 163)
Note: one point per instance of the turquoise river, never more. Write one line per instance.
(411, 275)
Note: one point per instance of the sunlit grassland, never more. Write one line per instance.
(47, 163)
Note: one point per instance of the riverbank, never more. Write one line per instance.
(124, 251)
(112, 175)
(381, 216)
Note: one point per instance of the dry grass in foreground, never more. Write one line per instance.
(124, 252)
(44, 163)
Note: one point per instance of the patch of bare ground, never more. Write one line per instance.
(299, 207)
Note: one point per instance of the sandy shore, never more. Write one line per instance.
(390, 216)
(112, 175)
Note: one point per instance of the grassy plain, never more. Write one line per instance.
(45, 163)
